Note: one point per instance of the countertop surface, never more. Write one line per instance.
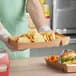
(34, 67)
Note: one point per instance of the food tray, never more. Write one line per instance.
(22, 46)
(69, 68)
(65, 41)
(53, 43)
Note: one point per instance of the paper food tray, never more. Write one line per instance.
(69, 68)
(65, 41)
(22, 46)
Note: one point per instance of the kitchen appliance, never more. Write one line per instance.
(4, 63)
(64, 16)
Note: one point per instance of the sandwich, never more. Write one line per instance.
(68, 57)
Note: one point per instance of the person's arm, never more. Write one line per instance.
(36, 12)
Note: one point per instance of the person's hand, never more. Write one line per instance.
(12, 48)
(45, 29)
(4, 34)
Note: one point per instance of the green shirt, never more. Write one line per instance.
(12, 15)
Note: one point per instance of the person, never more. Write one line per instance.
(13, 22)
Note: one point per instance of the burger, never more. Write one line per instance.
(68, 57)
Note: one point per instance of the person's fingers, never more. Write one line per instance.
(10, 46)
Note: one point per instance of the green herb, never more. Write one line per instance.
(67, 59)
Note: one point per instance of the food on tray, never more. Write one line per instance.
(19, 39)
(34, 39)
(68, 57)
(66, 61)
(48, 36)
(33, 36)
(30, 35)
(23, 40)
(53, 58)
(58, 36)
(38, 38)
